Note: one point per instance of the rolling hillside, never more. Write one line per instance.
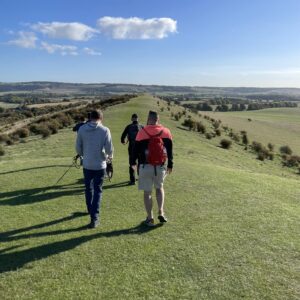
(233, 230)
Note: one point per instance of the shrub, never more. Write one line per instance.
(218, 132)
(9, 142)
(209, 135)
(53, 126)
(189, 123)
(200, 127)
(45, 132)
(257, 147)
(270, 147)
(3, 138)
(285, 150)
(264, 153)
(245, 140)
(226, 144)
(216, 124)
(2, 152)
(261, 156)
(22, 132)
(292, 161)
(34, 128)
(271, 155)
(235, 137)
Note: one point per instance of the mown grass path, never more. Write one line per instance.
(233, 230)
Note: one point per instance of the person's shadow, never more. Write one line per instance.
(30, 196)
(15, 260)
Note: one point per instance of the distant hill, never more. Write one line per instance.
(105, 88)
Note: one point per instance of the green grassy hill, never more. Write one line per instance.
(280, 126)
(233, 230)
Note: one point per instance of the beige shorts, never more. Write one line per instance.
(147, 177)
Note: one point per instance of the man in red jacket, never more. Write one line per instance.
(153, 149)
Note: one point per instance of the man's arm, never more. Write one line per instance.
(169, 147)
(79, 144)
(108, 145)
(124, 134)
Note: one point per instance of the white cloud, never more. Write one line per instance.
(72, 31)
(90, 51)
(137, 28)
(62, 49)
(24, 40)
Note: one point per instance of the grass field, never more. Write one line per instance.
(280, 126)
(8, 105)
(233, 230)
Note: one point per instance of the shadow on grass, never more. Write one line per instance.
(41, 194)
(16, 260)
(116, 185)
(30, 196)
(35, 168)
(10, 235)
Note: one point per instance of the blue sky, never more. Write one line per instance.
(178, 42)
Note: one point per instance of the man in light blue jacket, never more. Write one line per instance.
(94, 144)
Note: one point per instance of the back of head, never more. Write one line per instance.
(134, 117)
(96, 115)
(152, 117)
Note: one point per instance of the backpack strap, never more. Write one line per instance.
(151, 136)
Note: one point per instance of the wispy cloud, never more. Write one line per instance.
(90, 51)
(24, 40)
(62, 49)
(137, 28)
(73, 31)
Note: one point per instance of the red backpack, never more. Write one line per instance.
(156, 154)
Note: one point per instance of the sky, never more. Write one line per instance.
(166, 42)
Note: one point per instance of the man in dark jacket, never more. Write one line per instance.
(130, 133)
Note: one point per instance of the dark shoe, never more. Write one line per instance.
(162, 219)
(94, 224)
(132, 183)
(149, 222)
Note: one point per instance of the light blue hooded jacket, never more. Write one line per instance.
(94, 143)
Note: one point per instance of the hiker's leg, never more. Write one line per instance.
(97, 185)
(88, 189)
(148, 204)
(131, 162)
(160, 197)
(159, 188)
(131, 175)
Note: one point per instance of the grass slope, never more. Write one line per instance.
(280, 126)
(233, 230)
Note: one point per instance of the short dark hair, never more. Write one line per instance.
(153, 115)
(96, 114)
(134, 116)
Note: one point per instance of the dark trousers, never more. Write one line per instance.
(131, 150)
(93, 181)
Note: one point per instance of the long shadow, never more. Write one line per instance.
(16, 260)
(34, 168)
(10, 235)
(116, 185)
(41, 194)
